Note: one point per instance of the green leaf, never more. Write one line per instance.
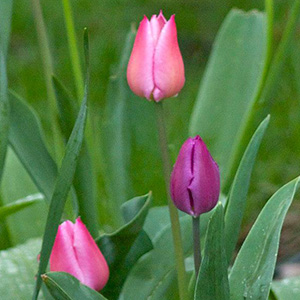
(5, 16)
(64, 181)
(230, 82)
(4, 111)
(63, 286)
(26, 139)
(235, 205)
(67, 108)
(252, 272)
(125, 246)
(212, 282)
(83, 179)
(5, 20)
(115, 137)
(16, 184)
(154, 275)
(19, 205)
(279, 59)
(18, 269)
(287, 289)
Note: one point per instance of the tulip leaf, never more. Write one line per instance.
(83, 179)
(252, 272)
(26, 139)
(64, 179)
(63, 286)
(212, 282)
(125, 246)
(4, 111)
(18, 269)
(115, 145)
(230, 82)
(235, 205)
(154, 275)
(5, 17)
(18, 205)
(287, 289)
(5, 20)
(16, 184)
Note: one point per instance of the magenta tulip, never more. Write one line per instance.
(75, 252)
(195, 180)
(155, 69)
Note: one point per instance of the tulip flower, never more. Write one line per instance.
(75, 252)
(155, 69)
(195, 180)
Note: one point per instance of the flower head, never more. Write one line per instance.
(195, 180)
(75, 252)
(155, 69)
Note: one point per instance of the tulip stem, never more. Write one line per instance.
(175, 224)
(197, 245)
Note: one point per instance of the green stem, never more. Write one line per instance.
(197, 246)
(179, 257)
(74, 53)
(48, 70)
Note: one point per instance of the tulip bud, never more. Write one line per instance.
(75, 252)
(195, 180)
(155, 69)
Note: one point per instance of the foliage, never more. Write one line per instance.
(67, 160)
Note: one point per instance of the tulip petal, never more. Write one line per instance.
(168, 64)
(140, 66)
(90, 258)
(63, 258)
(206, 183)
(181, 178)
(157, 24)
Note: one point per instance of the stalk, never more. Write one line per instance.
(197, 246)
(177, 241)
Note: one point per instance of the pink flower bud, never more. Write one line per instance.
(155, 69)
(75, 252)
(195, 180)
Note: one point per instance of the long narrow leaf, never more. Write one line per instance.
(235, 206)
(212, 282)
(252, 272)
(19, 205)
(26, 139)
(5, 20)
(63, 183)
(83, 179)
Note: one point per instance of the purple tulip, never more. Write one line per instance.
(75, 252)
(195, 180)
(155, 69)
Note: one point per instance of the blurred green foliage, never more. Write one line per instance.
(197, 22)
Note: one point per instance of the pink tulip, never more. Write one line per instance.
(155, 69)
(195, 180)
(75, 252)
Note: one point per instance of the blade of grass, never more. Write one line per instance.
(64, 180)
